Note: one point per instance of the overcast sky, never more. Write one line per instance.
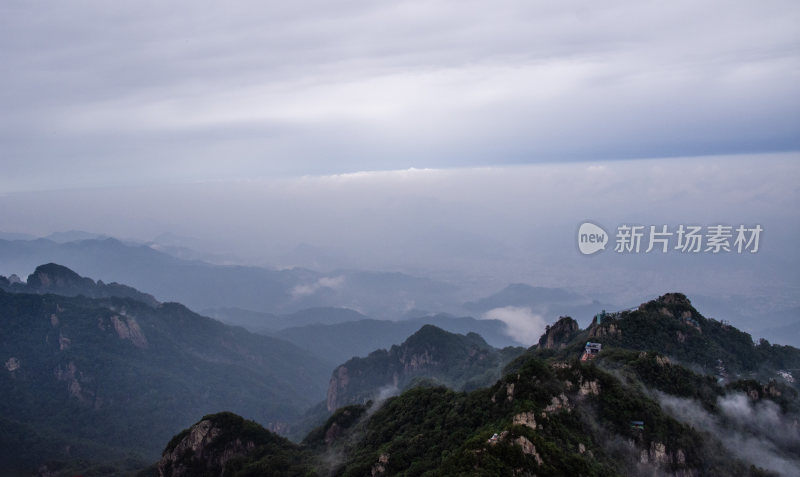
(460, 137)
(136, 93)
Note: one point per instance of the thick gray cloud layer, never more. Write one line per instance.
(756, 432)
(111, 93)
(495, 225)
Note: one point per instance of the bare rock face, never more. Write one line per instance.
(510, 392)
(528, 448)
(413, 362)
(657, 454)
(380, 467)
(600, 331)
(557, 403)
(337, 386)
(199, 449)
(558, 335)
(525, 419)
(74, 380)
(12, 364)
(128, 329)
(589, 387)
(63, 342)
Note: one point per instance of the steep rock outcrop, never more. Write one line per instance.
(206, 446)
(559, 334)
(219, 443)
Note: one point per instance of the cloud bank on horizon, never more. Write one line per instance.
(494, 225)
(110, 94)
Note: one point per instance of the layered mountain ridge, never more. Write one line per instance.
(102, 377)
(651, 402)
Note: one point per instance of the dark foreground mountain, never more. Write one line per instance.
(648, 404)
(112, 378)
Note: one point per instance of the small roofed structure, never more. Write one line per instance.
(639, 425)
(591, 350)
(598, 318)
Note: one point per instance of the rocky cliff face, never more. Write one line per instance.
(221, 443)
(558, 335)
(202, 447)
(338, 387)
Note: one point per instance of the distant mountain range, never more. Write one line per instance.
(227, 291)
(339, 342)
(338, 334)
(201, 285)
(261, 322)
(519, 294)
(232, 292)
